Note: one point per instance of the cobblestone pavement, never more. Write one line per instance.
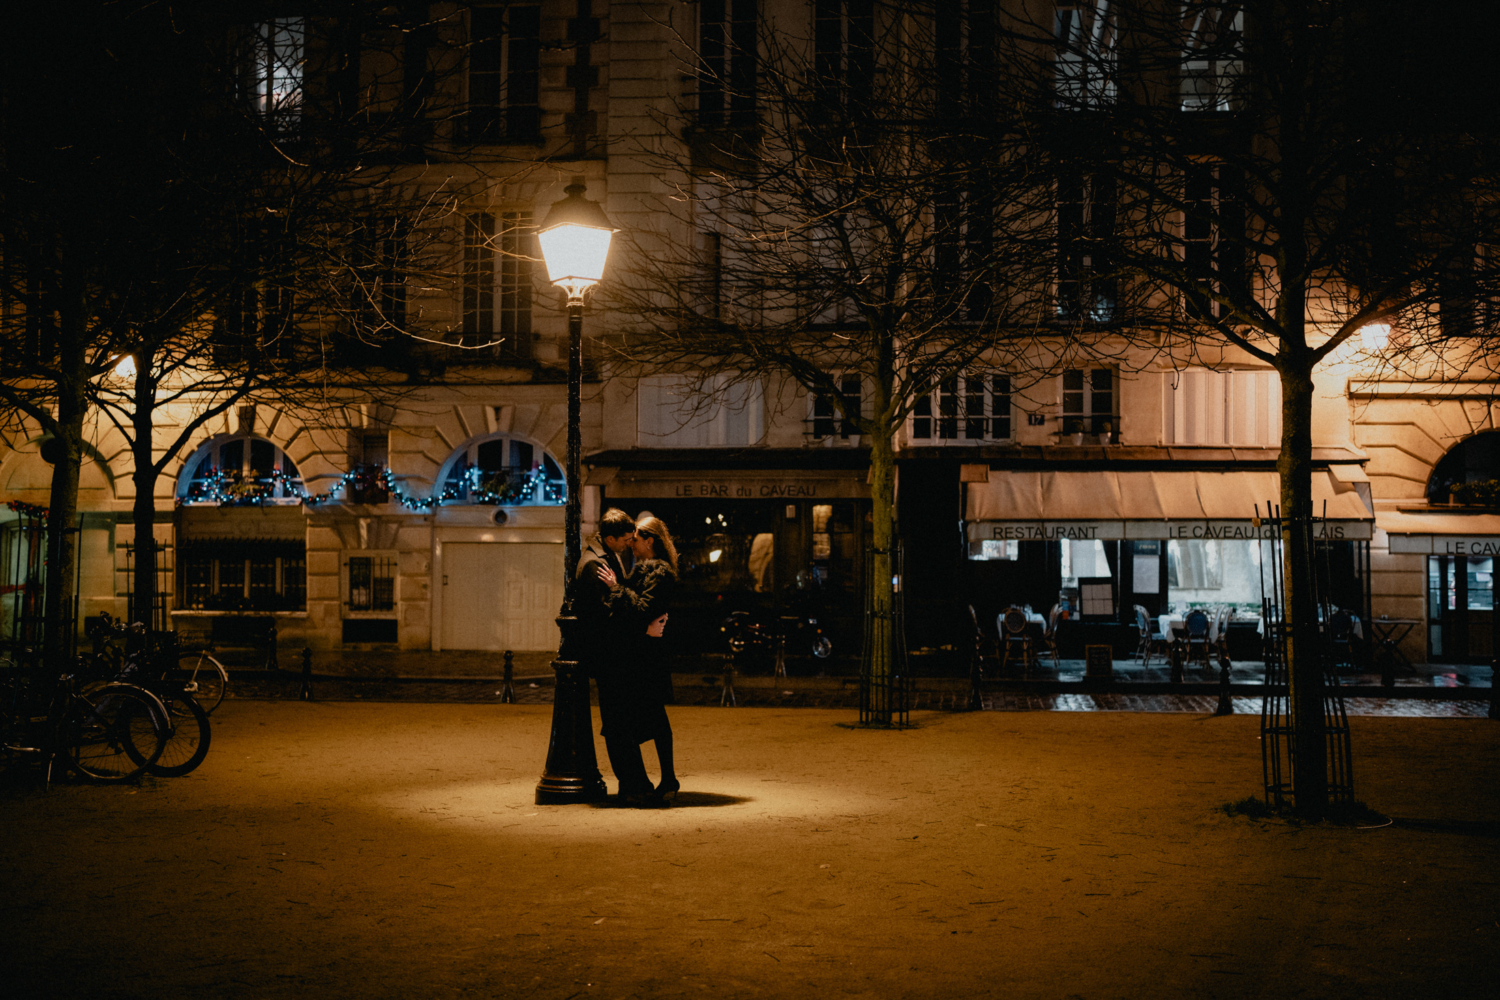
(757, 694)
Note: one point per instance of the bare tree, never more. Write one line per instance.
(852, 198)
(238, 202)
(1272, 176)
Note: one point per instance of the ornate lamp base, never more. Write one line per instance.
(572, 771)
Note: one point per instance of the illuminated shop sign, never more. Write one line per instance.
(1052, 531)
(738, 488)
(1446, 545)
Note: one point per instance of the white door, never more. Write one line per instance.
(499, 595)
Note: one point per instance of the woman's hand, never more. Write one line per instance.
(655, 629)
(607, 575)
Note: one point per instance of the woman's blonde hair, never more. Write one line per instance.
(661, 539)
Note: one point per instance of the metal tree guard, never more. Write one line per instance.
(1277, 723)
(884, 700)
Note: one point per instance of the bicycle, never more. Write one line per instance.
(107, 733)
(190, 732)
(202, 676)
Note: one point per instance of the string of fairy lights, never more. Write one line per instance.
(507, 488)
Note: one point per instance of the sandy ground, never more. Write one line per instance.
(392, 850)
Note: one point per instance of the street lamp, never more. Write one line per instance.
(575, 242)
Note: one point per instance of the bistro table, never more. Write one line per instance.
(1388, 633)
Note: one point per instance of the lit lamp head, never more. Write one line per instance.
(575, 242)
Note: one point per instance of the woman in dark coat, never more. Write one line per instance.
(645, 678)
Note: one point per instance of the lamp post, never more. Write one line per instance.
(575, 239)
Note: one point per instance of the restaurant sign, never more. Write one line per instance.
(1052, 531)
(1446, 545)
(768, 487)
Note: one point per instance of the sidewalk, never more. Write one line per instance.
(339, 850)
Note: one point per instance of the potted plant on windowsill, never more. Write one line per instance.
(1484, 493)
(1106, 432)
(1075, 430)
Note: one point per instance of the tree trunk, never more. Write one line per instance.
(1304, 669)
(881, 655)
(143, 513)
(58, 607)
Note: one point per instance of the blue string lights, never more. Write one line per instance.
(501, 488)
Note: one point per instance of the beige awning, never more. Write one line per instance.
(241, 524)
(1441, 532)
(1104, 504)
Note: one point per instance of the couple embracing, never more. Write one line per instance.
(624, 581)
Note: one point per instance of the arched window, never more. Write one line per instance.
(503, 470)
(239, 470)
(1473, 460)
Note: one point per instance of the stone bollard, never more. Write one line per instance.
(727, 682)
(1494, 689)
(1226, 706)
(507, 689)
(306, 674)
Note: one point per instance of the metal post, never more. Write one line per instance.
(306, 694)
(572, 770)
(1225, 706)
(507, 688)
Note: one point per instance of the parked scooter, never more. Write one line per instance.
(779, 635)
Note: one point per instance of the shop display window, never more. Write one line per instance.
(243, 576)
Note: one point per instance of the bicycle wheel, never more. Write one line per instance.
(203, 677)
(114, 733)
(188, 743)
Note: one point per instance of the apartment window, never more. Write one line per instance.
(963, 246)
(274, 56)
(1213, 223)
(964, 39)
(844, 50)
(257, 318)
(1468, 307)
(497, 285)
(1212, 55)
(963, 408)
(728, 58)
(505, 74)
(378, 258)
(243, 576)
(369, 457)
(504, 470)
(240, 470)
(681, 412)
(1221, 408)
(828, 421)
(1085, 67)
(1088, 401)
(1086, 291)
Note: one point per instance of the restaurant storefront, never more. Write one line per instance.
(1458, 550)
(776, 539)
(1104, 542)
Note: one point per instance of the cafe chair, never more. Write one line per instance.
(1341, 639)
(1151, 638)
(1049, 636)
(1198, 642)
(1016, 639)
(984, 646)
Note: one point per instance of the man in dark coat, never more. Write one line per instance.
(610, 548)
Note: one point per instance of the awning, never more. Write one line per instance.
(1441, 533)
(241, 524)
(1043, 506)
